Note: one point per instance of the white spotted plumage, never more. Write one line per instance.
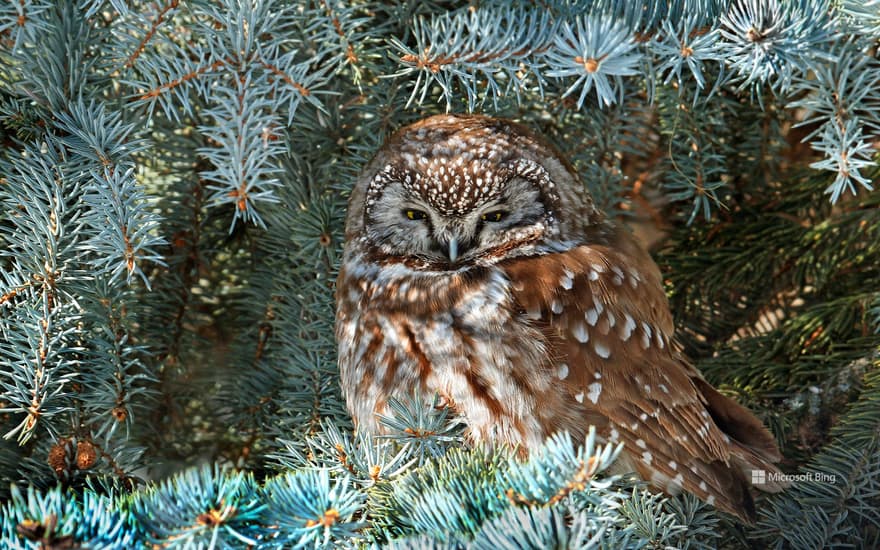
(477, 267)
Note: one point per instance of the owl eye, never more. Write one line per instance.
(495, 216)
(415, 214)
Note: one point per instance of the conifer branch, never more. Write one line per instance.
(157, 21)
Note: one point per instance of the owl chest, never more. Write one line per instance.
(464, 341)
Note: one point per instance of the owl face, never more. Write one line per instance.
(470, 196)
(408, 220)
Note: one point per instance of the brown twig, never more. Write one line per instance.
(286, 78)
(350, 55)
(160, 18)
(155, 92)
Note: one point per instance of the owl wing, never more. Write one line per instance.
(609, 332)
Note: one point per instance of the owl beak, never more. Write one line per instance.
(453, 249)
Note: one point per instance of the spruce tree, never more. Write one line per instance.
(173, 183)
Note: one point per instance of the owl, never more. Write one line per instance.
(477, 267)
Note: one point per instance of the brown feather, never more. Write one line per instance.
(603, 313)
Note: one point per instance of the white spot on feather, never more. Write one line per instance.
(646, 335)
(663, 387)
(640, 443)
(647, 457)
(591, 315)
(628, 327)
(595, 389)
(579, 397)
(562, 371)
(601, 350)
(556, 307)
(703, 486)
(634, 278)
(567, 280)
(673, 465)
(579, 331)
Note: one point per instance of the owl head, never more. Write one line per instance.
(453, 191)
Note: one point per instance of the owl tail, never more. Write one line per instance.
(753, 451)
(751, 457)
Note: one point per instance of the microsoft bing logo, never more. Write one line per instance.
(762, 477)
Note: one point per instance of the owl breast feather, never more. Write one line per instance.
(457, 334)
